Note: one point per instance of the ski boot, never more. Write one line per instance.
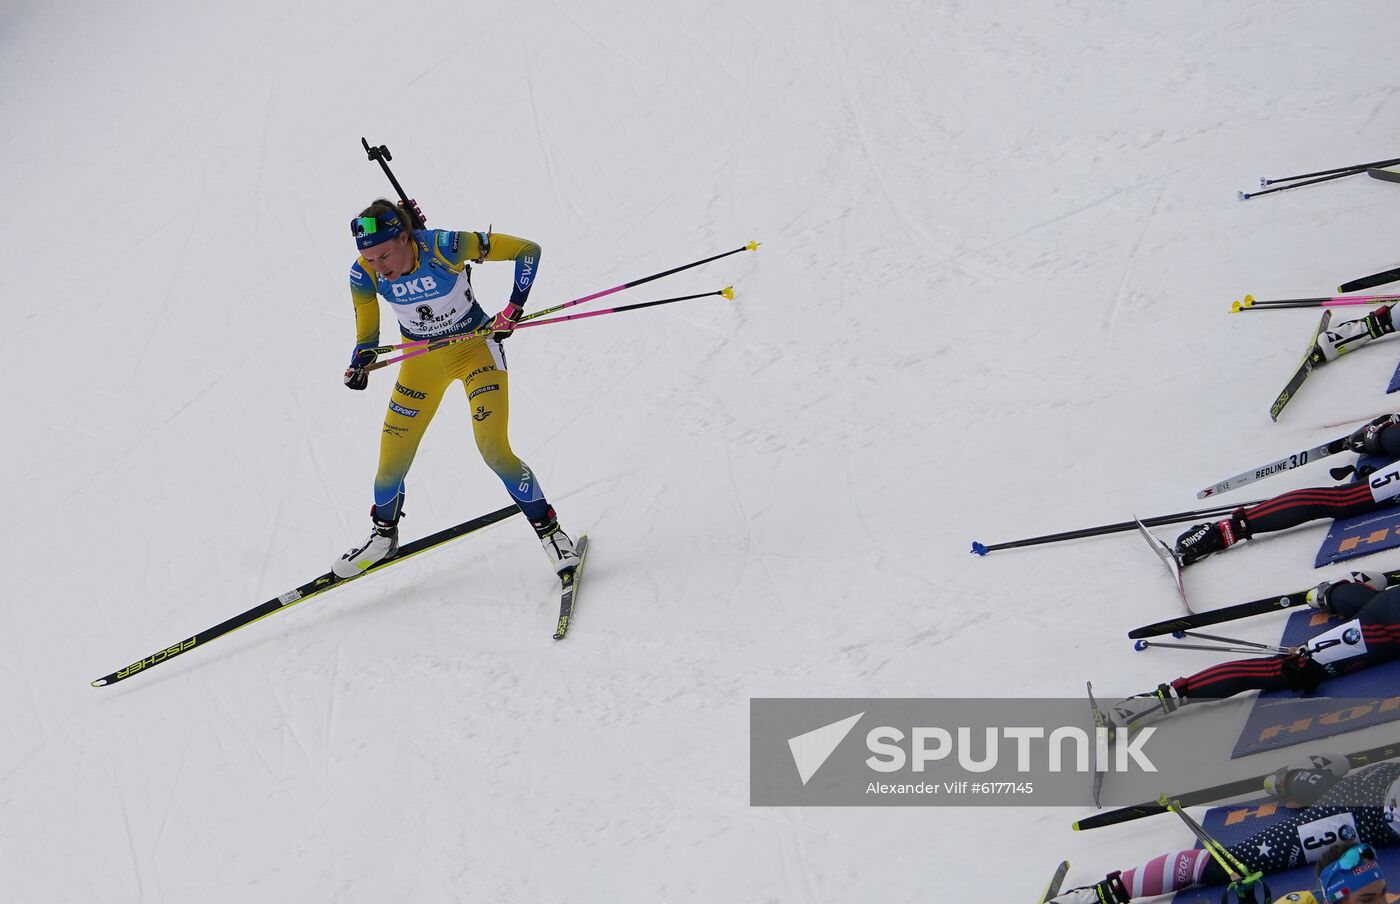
(557, 544)
(1213, 536)
(1320, 597)
(383, 542)
(1106, 891)
(1136, 711)
(1351, 335)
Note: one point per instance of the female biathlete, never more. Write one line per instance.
(425, 276)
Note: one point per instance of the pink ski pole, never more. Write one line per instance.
(405, 346)
(726, 292)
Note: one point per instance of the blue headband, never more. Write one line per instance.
(1350, 873)
(375, 230)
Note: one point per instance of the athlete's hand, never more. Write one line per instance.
(1367, 438)
(356, 377)
(504, 323)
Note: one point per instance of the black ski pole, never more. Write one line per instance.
(382, 156)
(1155, 521)
(1327, 172)
(1245, 195)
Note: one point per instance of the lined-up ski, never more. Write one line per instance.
(1295, 460)
(1230, 613)
(1371, 281)
(1311, 358)
(1057, 882)
(304, 592)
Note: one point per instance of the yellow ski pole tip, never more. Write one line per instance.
(1249, 301)
(752, 246)
(727, 292)
(1235, 308)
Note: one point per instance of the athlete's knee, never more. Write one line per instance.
(494, 445)
(501, 459)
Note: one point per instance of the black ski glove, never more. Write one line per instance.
(356, 377)
(1367, 438)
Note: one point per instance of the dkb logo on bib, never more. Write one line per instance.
(415, 286)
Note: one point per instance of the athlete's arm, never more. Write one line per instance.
(526, 255)
(461, 248)
(366, 299)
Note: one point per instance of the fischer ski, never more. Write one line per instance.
(1164, 552)
(1220, 792)
(1311, 359)
(569, 594)
(1230, 613)
(1057, 881)
(1101, 721)
(306, 591)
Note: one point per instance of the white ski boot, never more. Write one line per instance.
(383, 542)
(1343, 337)
(1109, 890)
(560, 549)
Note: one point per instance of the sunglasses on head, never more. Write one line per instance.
(364, 226)
(1355, 855)
(1358, 859)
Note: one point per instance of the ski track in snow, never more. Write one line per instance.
(1118, 296)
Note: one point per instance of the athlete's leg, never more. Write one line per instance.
(482, 369)
(414, 399)
(1299, 506)
(1267, 673)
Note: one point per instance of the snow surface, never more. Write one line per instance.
(1000, 243)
